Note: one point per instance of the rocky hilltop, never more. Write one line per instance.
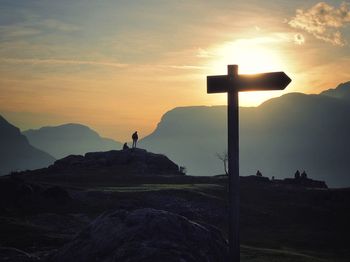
(135, 161)
(108, 166)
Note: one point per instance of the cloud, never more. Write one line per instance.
(202, 53)
(35, 61)
(17, 31)
(34, 28)
(185, 67)
(58, 25)
(323, 21)
(53, 62)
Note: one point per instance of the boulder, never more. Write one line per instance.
(10, 254)
(144, 235)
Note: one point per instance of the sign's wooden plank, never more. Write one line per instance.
(261, 82)
(218, 84)
(244, 83)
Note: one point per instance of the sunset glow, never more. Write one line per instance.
(125, 66)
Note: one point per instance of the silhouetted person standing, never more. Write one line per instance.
(134, 137)
(303, 175)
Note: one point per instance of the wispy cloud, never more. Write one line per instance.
(17, 31)
(323, 21)
(58, 25)
(186, 67)
(34, 61)
(33, 28)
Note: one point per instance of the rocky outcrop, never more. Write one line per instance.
(130, 161)
(144, 235)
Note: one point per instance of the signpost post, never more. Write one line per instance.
(232, 84)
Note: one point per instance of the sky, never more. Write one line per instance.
(118, 66)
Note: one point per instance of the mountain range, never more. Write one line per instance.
(16, 153)
(69, 139)
(293, 132)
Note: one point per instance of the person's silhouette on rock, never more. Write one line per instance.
(134, 137)
(125, 146)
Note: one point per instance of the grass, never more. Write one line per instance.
(313, 224)
(256, 254)
(158, 187)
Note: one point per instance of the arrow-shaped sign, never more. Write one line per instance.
(242, 83)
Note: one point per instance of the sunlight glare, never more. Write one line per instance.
(252, 56)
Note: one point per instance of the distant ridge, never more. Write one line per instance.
(68, 139)
(342, 91)
(16, 153)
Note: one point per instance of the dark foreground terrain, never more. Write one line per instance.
(278, 222)
(128, 205)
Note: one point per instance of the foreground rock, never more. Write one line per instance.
(9, 254)
(144, 235)
(17, 195)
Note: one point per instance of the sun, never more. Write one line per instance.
(252, 56)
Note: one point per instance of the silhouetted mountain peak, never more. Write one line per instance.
(7, 128)
(10, 134)
(15, 151)
(177, 121)
(342, 91)
(70, 129)
(68, 139)
(2, 120)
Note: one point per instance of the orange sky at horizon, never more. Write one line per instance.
(120, 71)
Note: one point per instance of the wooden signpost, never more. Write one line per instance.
(232, 83)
